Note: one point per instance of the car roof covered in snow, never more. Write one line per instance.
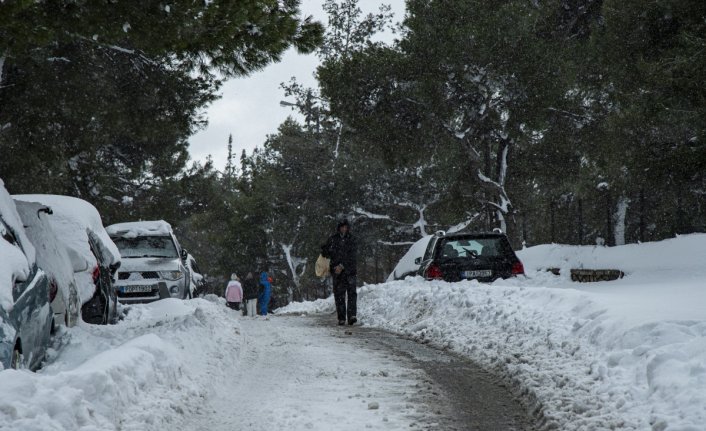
(71, 219)
(140, 228)
(14, 264)
(472, 235)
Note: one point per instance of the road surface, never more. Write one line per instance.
(305, 373)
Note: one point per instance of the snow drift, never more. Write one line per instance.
(147, 372)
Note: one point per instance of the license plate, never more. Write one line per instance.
(135, 289)
(480, 273)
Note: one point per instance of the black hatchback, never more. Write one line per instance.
(469, 256)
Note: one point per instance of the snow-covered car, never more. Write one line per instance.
(407, 266)
(25, 309)
(94, 257)
(198, 281)
(53, 258)
(154, 264)
(484, 257)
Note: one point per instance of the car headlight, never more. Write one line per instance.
(171, 275)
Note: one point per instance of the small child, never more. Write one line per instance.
(234, 292)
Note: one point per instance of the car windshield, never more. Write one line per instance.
(146, 246)
(467, 247)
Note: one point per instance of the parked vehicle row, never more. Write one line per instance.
(59, 265)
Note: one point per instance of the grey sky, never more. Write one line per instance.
(249, 108)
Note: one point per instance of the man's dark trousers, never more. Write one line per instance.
(343, 285)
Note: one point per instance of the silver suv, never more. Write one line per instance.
(154, 264)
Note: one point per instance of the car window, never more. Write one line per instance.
(466, 247)
(146, 246)
(430, 249)
(7, 234)
(195, 267)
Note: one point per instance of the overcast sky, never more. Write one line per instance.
(249, 108)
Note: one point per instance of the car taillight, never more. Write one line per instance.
(434, 272)
(96, 274)
(53, 289)
(518, 268)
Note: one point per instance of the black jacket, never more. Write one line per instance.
(341, 250)
(249, 288)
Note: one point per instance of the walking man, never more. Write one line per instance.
(341, 249)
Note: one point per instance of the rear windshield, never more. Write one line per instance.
(146, 246)
(467, 247)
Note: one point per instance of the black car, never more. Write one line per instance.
(469, 256)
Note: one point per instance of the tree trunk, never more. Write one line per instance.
(642, 228)
(552, 225)
(609, 220)
(621, 210)
(580, 222)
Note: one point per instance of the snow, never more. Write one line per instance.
(52, 257)
(406, 264)
(14, 264)
(628, 354)
(71, 220)
(140, 228)
(74, 215)
(196, 364)
(291, 374)
(129, 376)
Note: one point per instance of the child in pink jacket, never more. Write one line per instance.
(234, 292)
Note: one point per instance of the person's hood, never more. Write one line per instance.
(264, 278)
(133, 264)
(342, 223)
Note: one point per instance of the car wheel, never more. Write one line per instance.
(16, 361)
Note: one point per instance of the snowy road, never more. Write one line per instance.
(295, 373)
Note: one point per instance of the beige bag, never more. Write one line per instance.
(322, 267)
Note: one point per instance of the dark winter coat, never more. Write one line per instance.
(341, 249)
(249, 288)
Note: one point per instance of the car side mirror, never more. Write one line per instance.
(114, 267)
(184, 254)
(418, 261)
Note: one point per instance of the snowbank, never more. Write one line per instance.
(14, 265)
(145, 373)
(309, 307)
(406, 264)
(140, 228)
(673, 256)
(628, 354)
